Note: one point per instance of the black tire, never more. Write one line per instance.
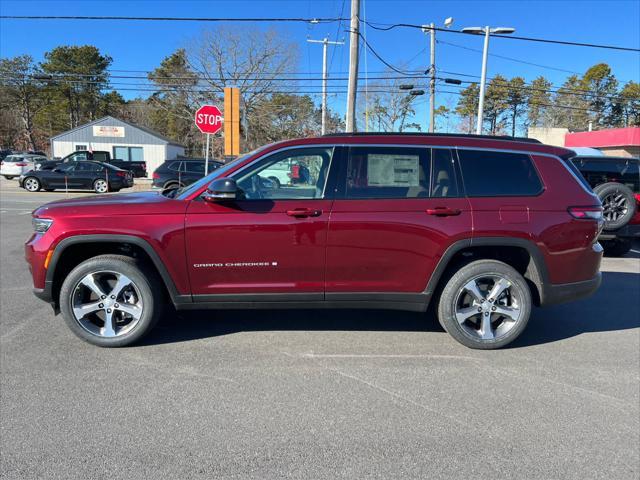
(617, 247)
(147, 284)
(454, 297)
(9, 177)
(618, 202)
(31, 184)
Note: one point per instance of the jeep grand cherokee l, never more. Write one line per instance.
(482, 227)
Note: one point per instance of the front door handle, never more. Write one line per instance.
(443, 211)
(304, 212)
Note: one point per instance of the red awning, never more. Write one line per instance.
(613, 137)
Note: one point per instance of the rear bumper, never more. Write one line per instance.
(628, 231)
(569, 292)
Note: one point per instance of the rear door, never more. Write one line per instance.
(85, 173)
(271, 240)
(396, 211)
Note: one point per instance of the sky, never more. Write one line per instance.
(143, 45)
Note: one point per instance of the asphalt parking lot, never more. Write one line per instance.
(317, 394)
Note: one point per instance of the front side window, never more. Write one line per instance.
(488, 173)
(87, 167)
(387, 172)
(288, 175)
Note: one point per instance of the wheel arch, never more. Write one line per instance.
(521, 254)
(73, 250)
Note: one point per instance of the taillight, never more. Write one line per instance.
(121, 174)
(155, 175)
(586, 213)
(21, 164)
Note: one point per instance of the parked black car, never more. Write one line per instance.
(178, 173)
(139, 168)
(616, 181)
(98, 176)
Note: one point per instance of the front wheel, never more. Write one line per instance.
(31, 184)
(111, 300)
(100, 186)
(485, 305)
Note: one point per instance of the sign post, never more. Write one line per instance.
(209, 120)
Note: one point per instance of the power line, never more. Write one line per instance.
(168, 19)
(511, 37)
(510, 58)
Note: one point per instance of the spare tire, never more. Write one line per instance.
(618, 203)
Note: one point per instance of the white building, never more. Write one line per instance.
(124, 140)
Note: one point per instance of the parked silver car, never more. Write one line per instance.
(17, 164)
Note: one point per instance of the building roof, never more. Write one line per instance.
(132, 125)
(611, 137)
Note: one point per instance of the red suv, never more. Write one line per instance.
(483, 228)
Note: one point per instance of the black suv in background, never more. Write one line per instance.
(616, 181)
(181, 172)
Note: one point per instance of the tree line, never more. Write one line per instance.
(74, 85)
(594, 100)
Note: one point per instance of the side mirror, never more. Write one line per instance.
(220, 190)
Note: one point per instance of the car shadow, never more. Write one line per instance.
(614, 306)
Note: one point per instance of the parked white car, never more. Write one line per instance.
(18, 164)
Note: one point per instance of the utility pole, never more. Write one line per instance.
(354, 41)
(325, 75)
(432, 81)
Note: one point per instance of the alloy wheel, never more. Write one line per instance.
(107, 304)
(31, 184)
(488, 307)
(101, 186)
(614, 206)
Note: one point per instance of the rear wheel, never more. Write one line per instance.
(31, 184)
(275, 181)
(485, 305)
(101, 186)
(618, 203)
(617, 247)
(111, 300)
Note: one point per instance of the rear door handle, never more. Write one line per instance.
(443, 211)
(304, 212)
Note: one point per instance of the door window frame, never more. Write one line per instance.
(330, 183)
(343, 160)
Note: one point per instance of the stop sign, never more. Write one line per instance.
(209, 119)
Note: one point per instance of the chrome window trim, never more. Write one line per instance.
(420, 145)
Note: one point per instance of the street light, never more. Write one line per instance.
(485, 52)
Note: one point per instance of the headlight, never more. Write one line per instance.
(41, 225)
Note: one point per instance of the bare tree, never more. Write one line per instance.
(387, 108)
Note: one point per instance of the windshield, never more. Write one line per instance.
(184, 192)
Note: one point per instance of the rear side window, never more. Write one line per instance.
(195, 167)
(491, 174)
(387, 172)
(175, 166)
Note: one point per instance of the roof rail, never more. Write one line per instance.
(422, 134)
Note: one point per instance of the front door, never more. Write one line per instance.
(61, 176)
(396, 211)
(271, 240)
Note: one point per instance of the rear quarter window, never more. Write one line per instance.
(488, 173)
